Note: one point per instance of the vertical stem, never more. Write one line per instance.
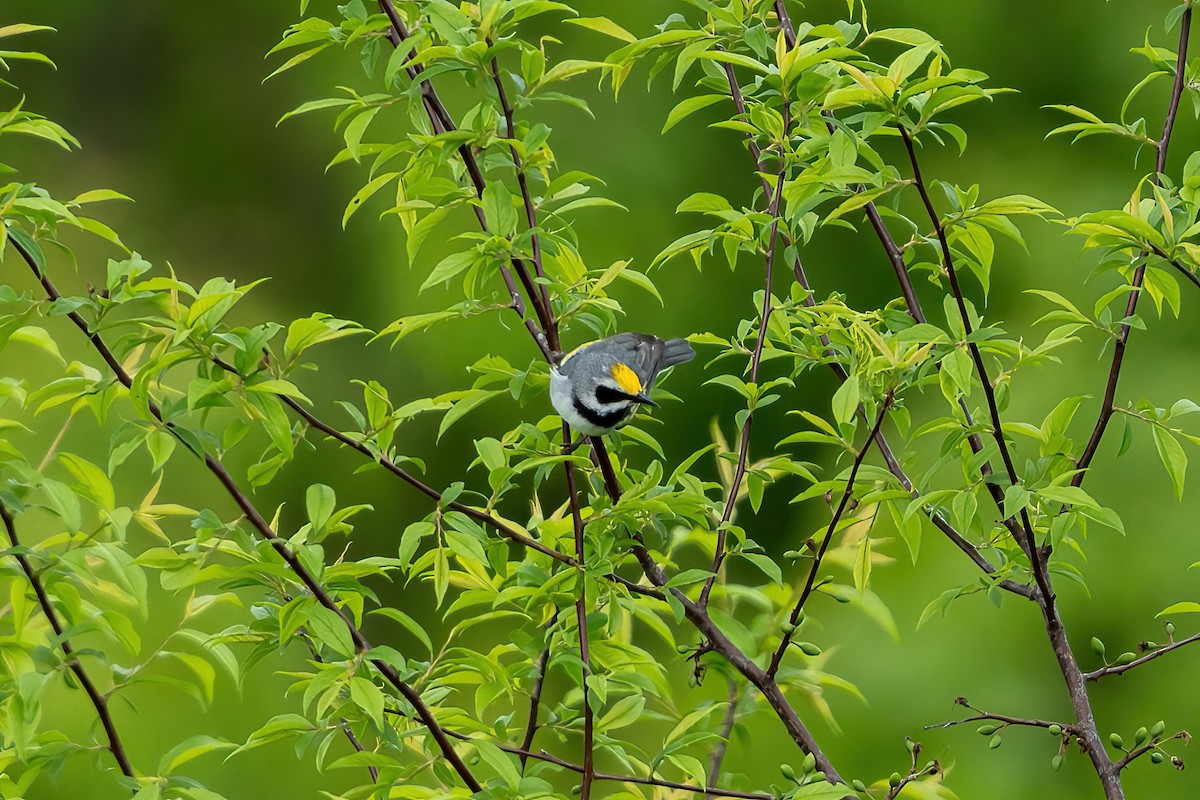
(739, 474)
(581, 622)
(99, 701)
(1107, 406)
(810, 583)
(722, 745)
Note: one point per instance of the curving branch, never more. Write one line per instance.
(99, 701)
(264, 529)
(717, 758)
(1107, 405)
(743, 451)
(581, 612)
(810, 583)
(1119, 669)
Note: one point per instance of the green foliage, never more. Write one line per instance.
(676, 578)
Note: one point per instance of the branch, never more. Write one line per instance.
(755, 362)
(1029, 542)
(267, 533)
(1118, 669)
(581, 623)
(722, 745)
(1154, 744)
(535, 702)
(99, 701)
(1160, 165)
(543, 756)
(794, 617)
(440, 117)
(549, 325)
(1088, 734)
(1006, 720)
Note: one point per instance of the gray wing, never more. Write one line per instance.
(649, 355)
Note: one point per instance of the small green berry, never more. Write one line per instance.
(1116, 741)
(858, 785)
(1156, 758)
(1126, 658)
(1170, 628)
(894, 780)
(1056, 762)
(809, 764)
(1055, 730)
(1159, 729)
(1097, 647)
(995, 742)
(810, 649)
(986, 730)
(787, 771)
(1141, 735)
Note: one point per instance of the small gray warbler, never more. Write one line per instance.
(597, 386)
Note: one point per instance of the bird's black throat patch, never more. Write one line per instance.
(609, 420)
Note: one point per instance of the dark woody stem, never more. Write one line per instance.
(99, 701)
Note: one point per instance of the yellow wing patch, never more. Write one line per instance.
(626, 378)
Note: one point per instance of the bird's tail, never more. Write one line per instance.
(676, 351)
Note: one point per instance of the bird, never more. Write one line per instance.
(597, 386)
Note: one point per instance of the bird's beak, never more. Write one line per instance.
(644, 399)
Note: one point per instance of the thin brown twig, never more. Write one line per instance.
(722, 745)
(1118, 669)
(743, 452)
(810, 582)
(548, 758)
(265, 530)
(581, 613)
(1107, 405)
(535, 703)
(99, 701)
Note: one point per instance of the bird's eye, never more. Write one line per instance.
(608, 395)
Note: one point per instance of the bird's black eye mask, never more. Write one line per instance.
(609, 395)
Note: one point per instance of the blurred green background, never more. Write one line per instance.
(168, 101)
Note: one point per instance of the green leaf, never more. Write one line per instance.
(329, 629)
(689, 577)
(449, 267)
(367, 696)
(409, 624)
(625, 711)
(688, 106)
(320, 502)
(1185, 607)
(845, 401)
(1173, 457)
(473, 399)
(603, 25)
(500, 761)
(499, 210)
(190, 749)
(92, 482)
